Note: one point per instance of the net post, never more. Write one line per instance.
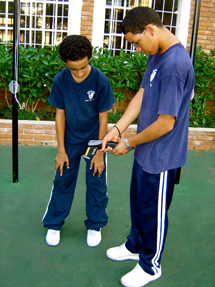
(16, 31)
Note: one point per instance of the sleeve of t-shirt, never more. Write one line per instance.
(105, 98)
(56, 98)
(171, 95)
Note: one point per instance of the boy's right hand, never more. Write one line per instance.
(111, 136)
(60, 159)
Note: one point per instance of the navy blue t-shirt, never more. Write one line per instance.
(168, 83)
(82, 103)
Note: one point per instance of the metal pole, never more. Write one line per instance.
(16, 36)
(195, 30)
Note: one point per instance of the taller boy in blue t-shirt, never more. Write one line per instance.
(82, 96)
(162, 105)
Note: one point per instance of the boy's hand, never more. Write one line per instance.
(60, 159)
(98, 163)
(108, 138)
(120, 148)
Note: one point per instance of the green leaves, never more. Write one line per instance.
(37, 68)
(204, 87)
(124, 71)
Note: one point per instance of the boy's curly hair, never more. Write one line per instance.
(75, 48)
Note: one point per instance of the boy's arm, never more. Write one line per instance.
(61, 157)
(97, 161)
(160, 127)
(131, 113)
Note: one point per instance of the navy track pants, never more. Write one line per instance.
(63, 190)
(150, 198)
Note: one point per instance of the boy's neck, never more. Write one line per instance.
(167, 40)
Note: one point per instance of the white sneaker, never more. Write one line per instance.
(138, 277)
(121, 253)
(93, 237)
(53, 237)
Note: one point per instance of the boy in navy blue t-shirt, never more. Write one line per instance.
(162, 105)
(82, 96)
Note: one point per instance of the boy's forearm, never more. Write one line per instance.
(103, 123)
(132, 112)
(60, 130)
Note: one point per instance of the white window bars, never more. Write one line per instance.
(42, 22)
(115, 11)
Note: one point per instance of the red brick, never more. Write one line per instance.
(210, 134)
(31, 142)
(204, 4)
(190, 147)
(5, 125)
(211, 143)
(204, 138)
(8, 130)
(83, 18)
(33, 131)
(6, 136)
(87, 13)
(197, 133)
(53, 132)
(25, 126)
(28, 136)
(196, 143)
(44, 127)
(191, 138)
(202, 147)
(43, 137)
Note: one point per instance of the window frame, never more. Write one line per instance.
(99, 22)
(73, 22)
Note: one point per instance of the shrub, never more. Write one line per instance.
(204, 87)
(124, 71)
(37, 69)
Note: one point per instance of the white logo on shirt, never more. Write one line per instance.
(153, 74)
(90, 96)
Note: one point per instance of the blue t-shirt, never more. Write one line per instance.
(82, 103)
(168, 83)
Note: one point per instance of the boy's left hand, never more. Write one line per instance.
(98, 163)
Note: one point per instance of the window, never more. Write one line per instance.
(42, 22)
(169, 12)
(115, 11)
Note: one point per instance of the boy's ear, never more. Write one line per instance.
(151, 29)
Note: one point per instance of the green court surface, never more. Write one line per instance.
(27, 261)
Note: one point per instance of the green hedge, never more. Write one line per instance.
(37, 69)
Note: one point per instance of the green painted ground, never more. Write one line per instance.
(26, 260)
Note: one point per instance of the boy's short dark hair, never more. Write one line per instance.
(75, 48)
(138, 18)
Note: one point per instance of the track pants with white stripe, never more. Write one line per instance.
(63, 190)
(150, 198)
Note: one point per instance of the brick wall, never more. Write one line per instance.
(42, 133)
(87, 18)
(206, 32)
